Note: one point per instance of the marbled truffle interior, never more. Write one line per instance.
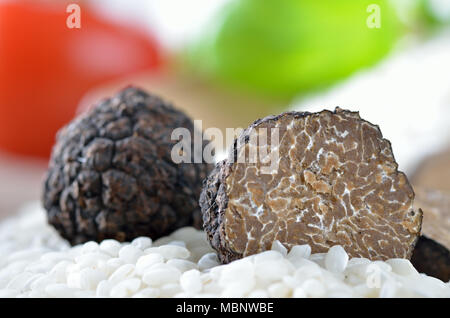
(337, 183)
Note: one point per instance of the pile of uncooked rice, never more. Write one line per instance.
(36, 262)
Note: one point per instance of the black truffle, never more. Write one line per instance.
(431, 258)
(111, 174)
(336, 183)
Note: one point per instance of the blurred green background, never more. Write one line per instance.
(286, 47)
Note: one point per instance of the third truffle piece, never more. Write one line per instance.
(337, 183)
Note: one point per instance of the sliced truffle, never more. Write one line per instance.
(431, 258)
(111, 174)
(337, 183)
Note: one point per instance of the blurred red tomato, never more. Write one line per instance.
(45, 68)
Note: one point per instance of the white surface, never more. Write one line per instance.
(20, 181)
(36, 262)
(174, 22)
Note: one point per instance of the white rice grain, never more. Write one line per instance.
(123, 272)
(40, 264)
(299, 252)
(190, 282)
(336, 259)
(129, 254)
(277, 246)
(160, 276)
(125, 288)
(402, 267)
(146, 261)
(182, 265)
(207, 261)
(111, 247)
(142, 242)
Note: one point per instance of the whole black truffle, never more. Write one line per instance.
(111, 174)
(336, 182)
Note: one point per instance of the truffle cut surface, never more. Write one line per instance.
(111, 174)
(336, 183)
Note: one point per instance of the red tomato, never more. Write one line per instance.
(45, 68)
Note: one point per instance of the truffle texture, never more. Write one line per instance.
(111, 174)
(431, 258)
(336, 183)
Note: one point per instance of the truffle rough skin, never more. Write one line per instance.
(111, 174)
(337, 183)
